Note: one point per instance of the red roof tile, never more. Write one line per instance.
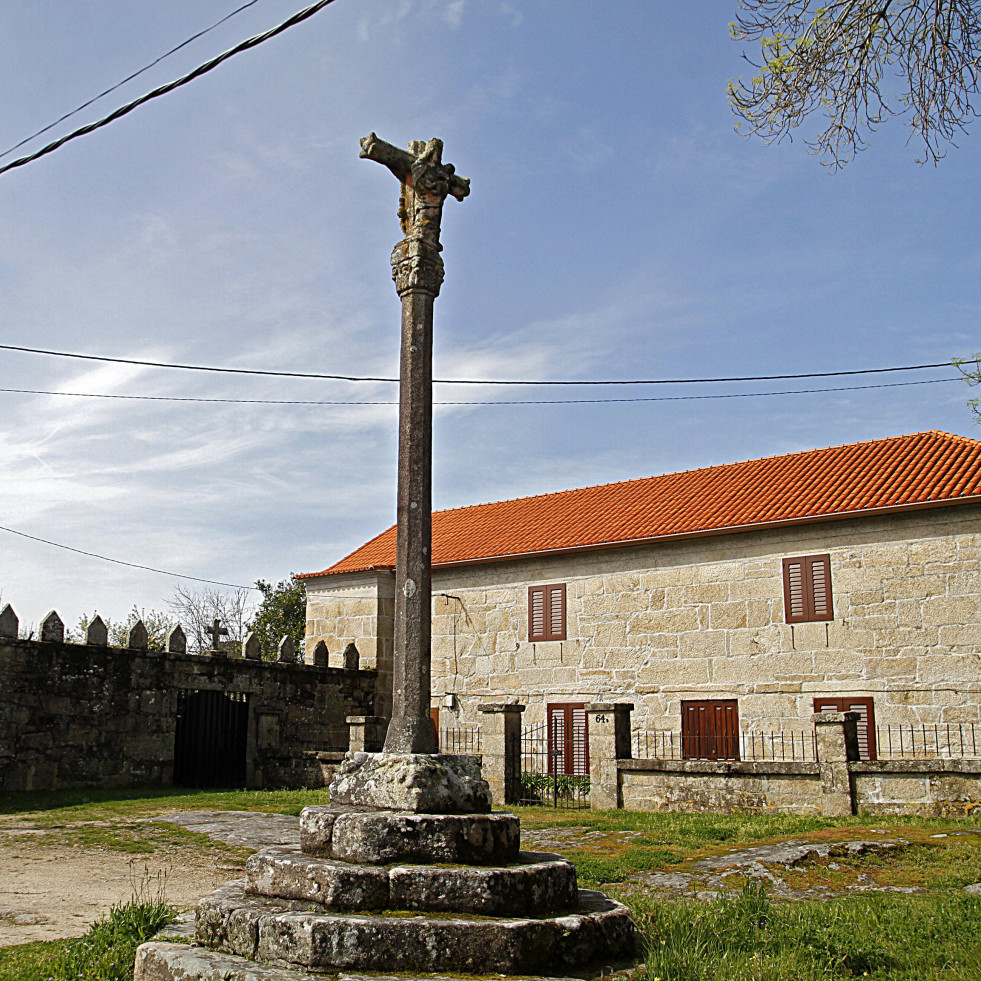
(902, 471)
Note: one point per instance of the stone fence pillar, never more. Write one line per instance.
(366, 733)
(837, 746)
(500, 747)
(608, 727)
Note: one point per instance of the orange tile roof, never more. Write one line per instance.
(918, 470)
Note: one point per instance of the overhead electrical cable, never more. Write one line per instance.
(128, 78)
(653, 398)
(131, 565)
(469, 381)
(170, 86)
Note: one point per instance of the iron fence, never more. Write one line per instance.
(544, 756)
(464, 740)
(778, 746)
(945, 741)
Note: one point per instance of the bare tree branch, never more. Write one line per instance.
(840, 59)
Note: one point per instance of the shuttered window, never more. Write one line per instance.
(807, 588)
(866, 720)
(546, 612)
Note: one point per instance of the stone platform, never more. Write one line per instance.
(399, 890)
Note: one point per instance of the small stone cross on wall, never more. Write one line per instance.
(217, 631)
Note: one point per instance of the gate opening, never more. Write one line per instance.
(211, 739)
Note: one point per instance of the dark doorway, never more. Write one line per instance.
(211, 738)
(710, 730)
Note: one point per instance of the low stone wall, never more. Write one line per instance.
(931, 788)
(76, 715)
(720, 788)
(938, 788)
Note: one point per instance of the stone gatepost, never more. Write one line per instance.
(500, 750)
(366, 733)
(608, 726)
(837, 746)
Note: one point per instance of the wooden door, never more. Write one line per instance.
(710, 730)
(568, 739)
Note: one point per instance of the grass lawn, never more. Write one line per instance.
(891, 936)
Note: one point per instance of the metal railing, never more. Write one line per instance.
(541, 756)
(943, 741)
(463, 740)
(778, 746)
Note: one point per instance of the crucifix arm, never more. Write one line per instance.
(400, 162)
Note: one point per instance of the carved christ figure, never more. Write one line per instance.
(426, 182)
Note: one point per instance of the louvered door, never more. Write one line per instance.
(568, 739)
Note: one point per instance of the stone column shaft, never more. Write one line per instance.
(411, 730)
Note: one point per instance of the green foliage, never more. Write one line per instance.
(545, 787)
(844, 61)
(282, 612)
(747, 937)
(157, 626)
(105, 953)
(970, 368)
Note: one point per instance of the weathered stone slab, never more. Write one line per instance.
(536, 884)
(156, 961)
(437, 783)
(381, 837)
(288, 933)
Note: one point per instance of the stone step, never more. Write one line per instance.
(156, 961)
(536, 884)
(382, 837)
(293, 933)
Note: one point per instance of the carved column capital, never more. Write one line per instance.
(417, 265)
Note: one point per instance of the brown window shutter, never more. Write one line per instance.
(556, 612)
(546, 612)
(793, 590)
(807, 588)
(536, 613)
(820, 575)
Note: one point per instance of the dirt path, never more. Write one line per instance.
(55, 881)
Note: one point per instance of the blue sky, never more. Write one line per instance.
(617, 227)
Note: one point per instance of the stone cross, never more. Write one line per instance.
(418, 273)
(217, 631)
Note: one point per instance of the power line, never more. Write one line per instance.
(131, 565)
(128, 78)
(658, 398)
(468, 381)
(170, 86)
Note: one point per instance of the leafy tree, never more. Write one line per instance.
(157, 627)
(837, 58)
(282, 612)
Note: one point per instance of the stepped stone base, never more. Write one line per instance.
(293, 933)
(438, 783)
(537, 883)
(156, 961)
(380, 837)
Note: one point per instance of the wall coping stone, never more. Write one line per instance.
(916, 766)
(722, 767)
